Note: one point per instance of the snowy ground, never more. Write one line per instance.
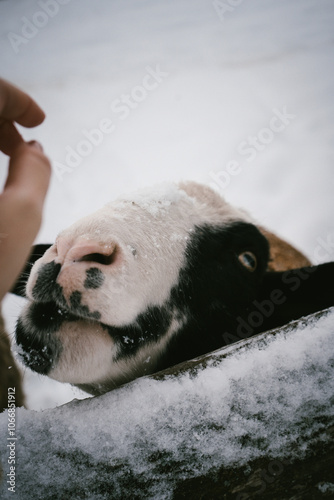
(181, 90)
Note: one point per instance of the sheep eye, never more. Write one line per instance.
(248, 260)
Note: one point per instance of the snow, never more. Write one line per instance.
(220, 80)
(326, 487)
(154, 200)
(266, 396)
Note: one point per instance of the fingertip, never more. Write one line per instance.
(32, 116)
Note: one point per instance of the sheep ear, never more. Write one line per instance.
(290, 295)
(37, 252)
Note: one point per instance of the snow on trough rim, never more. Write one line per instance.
(270, 395)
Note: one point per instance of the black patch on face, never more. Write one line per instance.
(46, 287)
(40, 348)
(147, 328)
(80, 309)
(37, 252)
(213, 276)
(94, 278)
(214, 288)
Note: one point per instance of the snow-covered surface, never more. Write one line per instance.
(268, 396)
(203, 83)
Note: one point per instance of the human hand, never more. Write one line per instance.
(22, 199)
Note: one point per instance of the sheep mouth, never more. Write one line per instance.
(36, 334)
(51, 315)
(38, 347)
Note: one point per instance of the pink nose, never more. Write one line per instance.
(85, 250)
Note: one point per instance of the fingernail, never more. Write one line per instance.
(35, 145)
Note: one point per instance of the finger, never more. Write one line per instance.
(10, 138)
(29, 173)
(16, 105)
(21, 205)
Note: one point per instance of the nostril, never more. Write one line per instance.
(100, 258)
(94, 252)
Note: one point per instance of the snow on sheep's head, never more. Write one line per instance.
(143, 283)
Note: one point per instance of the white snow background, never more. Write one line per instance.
(222, 77)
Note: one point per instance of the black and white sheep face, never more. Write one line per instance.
(129, 289)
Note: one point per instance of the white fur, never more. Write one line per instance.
(87, 355)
